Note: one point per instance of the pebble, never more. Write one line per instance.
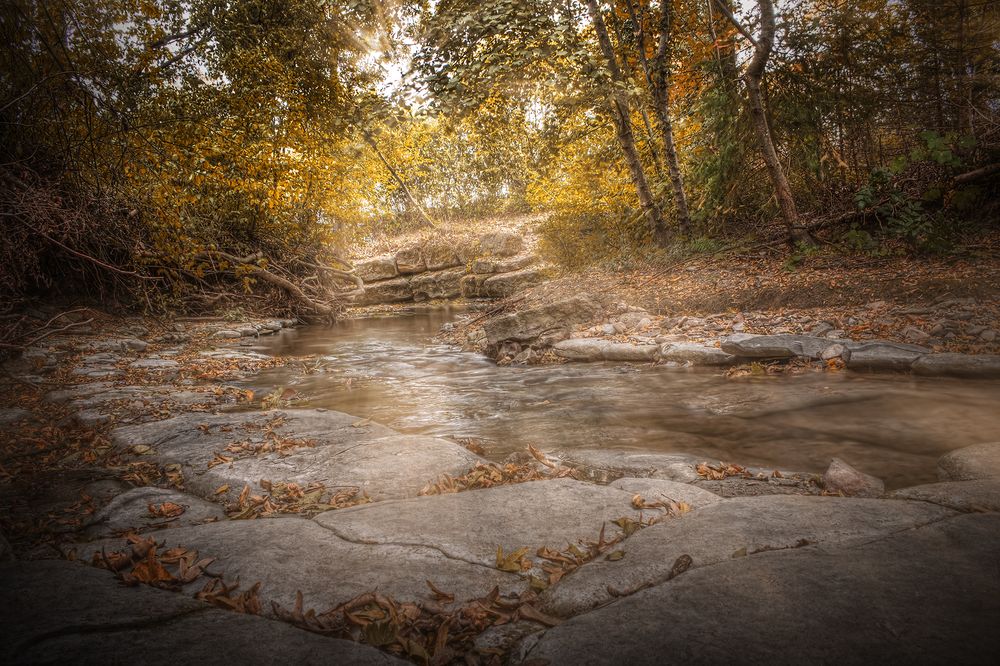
(989, 335)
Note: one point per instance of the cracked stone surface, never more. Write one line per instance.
(291, 554)
(470, 525)
(62, 612)
(978, 495)
(734, 527)
(921, 596)
(658, 490)
(336, 449)
(130, 511)
(605, 464)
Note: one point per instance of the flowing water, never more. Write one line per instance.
(390, 370)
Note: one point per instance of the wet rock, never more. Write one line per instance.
(410, 260)
(979, 461)
(226, 334)
(469, 526)
(695, 354)
(739, 527)
(746, 345)
(441, 284)
(388, 291)
(273, 325)
(501, 244)
(605, 465)
(54, 611)
(596, 349)
(320, 446)
(979, 495)
(581, 349)
(528, 324)
(131, 511)
(291, 554)
(248, 331)
(883, 356)
(833, 351)
(659, 490)
(973, 366)
(935, 587)
(507, 284)
(841, 477)
(626, 352)
(439, 255)
(526, 357)
(379, 268)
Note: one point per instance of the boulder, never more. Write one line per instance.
(439, 255)
(530, 323)
(979, 461)
(748, 345)
(972, 366)
(470, 526)
(132, 511)
(581, 349)
(695, 354)
(507, 284)
(290, 554)
(739, 527)
(882, 356)
(379, 268)
(627, 352)
(309, 446)
(440, 284)
(226, 334)
(56, 611)
(927, 595)
(980, 495)
(842, 478)
(387, 291)
(501, 244)
(410, 260)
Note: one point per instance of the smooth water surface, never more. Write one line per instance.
(390, 370)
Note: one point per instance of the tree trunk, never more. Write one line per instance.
(620, 114)
(658, 79)
(754, 73)
(370, 140)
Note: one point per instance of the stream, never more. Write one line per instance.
(389, 369)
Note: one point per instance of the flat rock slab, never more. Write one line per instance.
(596, 349)
(321, 446)
(132, 511)
(930, 595)
(973, 366)
(61, 612)
(658, 490)
(981, 495)
(695, 354)
(747, 345)
(609, 464)
(979, 461)
(291, 554)
(471, 525)
(734, 528)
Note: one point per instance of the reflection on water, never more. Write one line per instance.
(390, 370)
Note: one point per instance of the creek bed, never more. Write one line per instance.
(389, 369)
